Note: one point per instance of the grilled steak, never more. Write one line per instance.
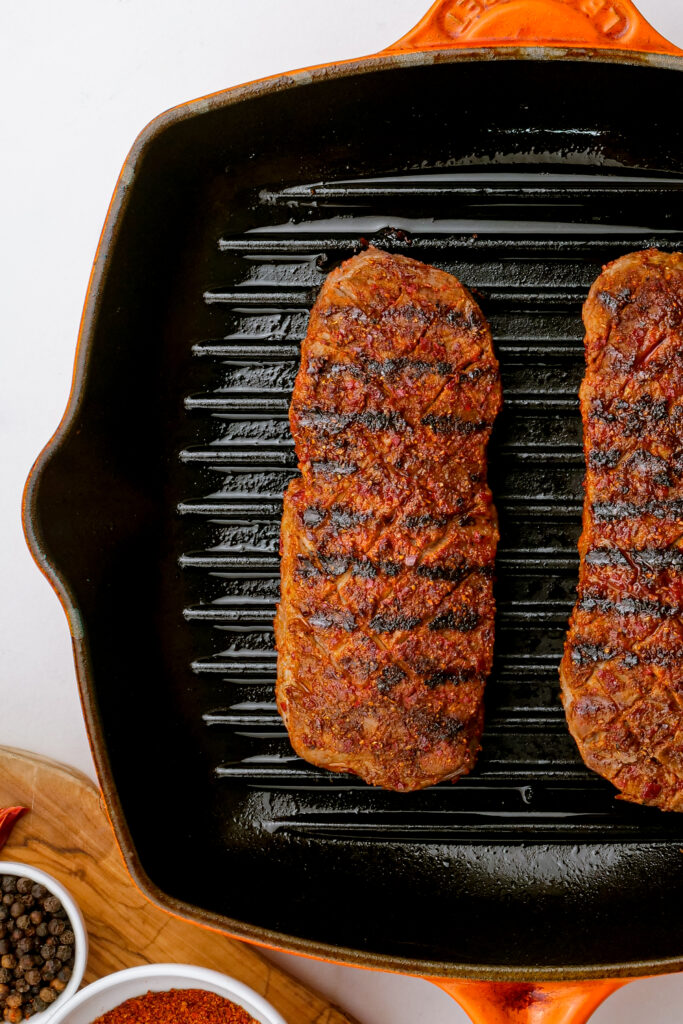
(385, 626)
(622, 670)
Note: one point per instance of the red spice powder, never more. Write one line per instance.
(178, 1006)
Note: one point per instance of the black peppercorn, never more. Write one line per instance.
(36, 948)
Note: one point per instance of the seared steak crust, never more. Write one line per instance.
(622, 670)
(385, 626)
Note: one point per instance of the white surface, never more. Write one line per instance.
(80, 79)
(8, 867)
(106, 993)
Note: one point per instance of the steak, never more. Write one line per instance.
(622, 670)
(384, 630)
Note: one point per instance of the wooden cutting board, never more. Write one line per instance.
(67, 833)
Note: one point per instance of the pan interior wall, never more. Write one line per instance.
(518, 178)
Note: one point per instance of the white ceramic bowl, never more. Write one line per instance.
(106, 993)
(8, 867)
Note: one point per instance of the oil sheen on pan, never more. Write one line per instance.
(622, 671)
(386, 620)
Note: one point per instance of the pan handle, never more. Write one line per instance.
(597, 24)
(529, 1003)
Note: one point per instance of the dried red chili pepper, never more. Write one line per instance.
(178, 1006)
(8, 818)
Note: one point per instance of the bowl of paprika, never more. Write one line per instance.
(165, 993)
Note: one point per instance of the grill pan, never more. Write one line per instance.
(154, 511)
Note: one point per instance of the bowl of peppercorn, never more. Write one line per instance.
(43, 944)
(166, 994)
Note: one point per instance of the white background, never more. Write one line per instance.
(80, 78)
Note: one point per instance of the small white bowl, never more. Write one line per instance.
(106, 993)
(9, 867)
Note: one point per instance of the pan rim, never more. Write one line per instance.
(260, 936)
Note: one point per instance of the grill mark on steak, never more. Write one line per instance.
(389, 534)
(613, 511)
(637, 418)
(334, 468)
(463, 620)
(449, 678)
(390, 677)
(393, 623)
(449, 424)
(647, 558)
(622, 670)
(328, 619)
(627, 606)
(330, 422)
(386, 369)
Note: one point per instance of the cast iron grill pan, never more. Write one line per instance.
(235, 218)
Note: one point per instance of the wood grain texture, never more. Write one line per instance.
(67, 834)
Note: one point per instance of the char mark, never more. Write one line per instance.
(390, 677)
(663, 657)
(637, 419)
(605, 459)
(451, 573)
(585, 653)
(313, 515)
(449, 424)
(334, 565)
(389, 368)
(588, 653)
(615, 302)
(341, 517)
(333, 468)
(627, 606)
(330, 422)
(329, 619)
(306, 569)
(424, 522)
(444, 678)
(393, 623)
(364, 569)
(389, 568)
(613, 511)
(650, 559)
(463, 620)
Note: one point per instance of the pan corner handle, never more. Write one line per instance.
(597, 24)
(529, 1002)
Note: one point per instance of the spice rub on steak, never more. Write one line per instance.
(385, 625)
(622, 670)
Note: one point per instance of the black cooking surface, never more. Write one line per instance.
(510, 176)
